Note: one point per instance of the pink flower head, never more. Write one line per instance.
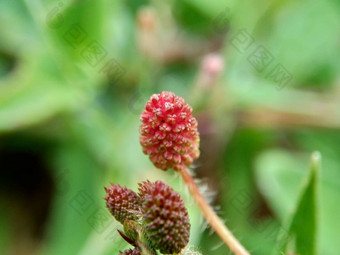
(169, 132)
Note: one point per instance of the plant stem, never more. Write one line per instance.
(142, 244)
(144, 248)
(214, 221)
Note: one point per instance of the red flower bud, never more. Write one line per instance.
(169, 132)
(121, 202)
(165, 217)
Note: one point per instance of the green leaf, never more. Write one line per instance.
(279, 174)
(304, 223)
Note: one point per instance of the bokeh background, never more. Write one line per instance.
(262, 76)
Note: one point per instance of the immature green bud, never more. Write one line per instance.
(130, 229)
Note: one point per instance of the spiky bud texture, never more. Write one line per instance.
(165, 217)
(121, 202)
(169, 132)
(130, 252)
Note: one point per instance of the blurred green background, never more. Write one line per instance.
(263, 78)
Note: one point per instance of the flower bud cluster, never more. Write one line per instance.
(157, 212)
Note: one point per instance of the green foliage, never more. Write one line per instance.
(303, 228)
(255, 138)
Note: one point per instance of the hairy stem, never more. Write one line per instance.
(142, 244)
(214, 221)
